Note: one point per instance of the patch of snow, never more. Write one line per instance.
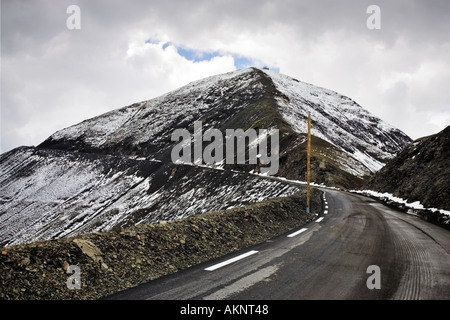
(385, 195)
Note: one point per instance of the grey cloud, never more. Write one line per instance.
(44, 62)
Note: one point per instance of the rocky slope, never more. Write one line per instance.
(49, 194)
(116, 170)
(116, 260)
(421, 172)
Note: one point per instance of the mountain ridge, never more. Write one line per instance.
(248, 98)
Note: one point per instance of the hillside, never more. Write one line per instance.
(420, 172)
(57, 193)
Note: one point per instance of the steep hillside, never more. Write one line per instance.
(49, 194)
(421, 172)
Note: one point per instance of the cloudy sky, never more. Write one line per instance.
(121, 52)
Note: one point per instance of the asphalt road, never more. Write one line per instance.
(356, 249)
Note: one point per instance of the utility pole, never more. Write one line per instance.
(308, 164)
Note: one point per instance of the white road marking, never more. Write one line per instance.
(243, 283)
(325, 212)
(320, 219)
(296, 232)
(220, 265)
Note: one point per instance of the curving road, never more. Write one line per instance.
(356, 249)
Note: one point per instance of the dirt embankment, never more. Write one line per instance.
(107, 262)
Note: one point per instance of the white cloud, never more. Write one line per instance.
(61, 84)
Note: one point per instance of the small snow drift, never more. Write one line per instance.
(421, 172)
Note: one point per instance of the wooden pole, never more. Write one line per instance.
(308, 165)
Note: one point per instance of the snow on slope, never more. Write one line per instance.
(340, 121)
(56, 194)
(155, 119)
(386, 196)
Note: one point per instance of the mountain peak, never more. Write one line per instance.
(246, 98)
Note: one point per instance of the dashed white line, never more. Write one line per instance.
(296, 232)
(244, 255)
(222, 264)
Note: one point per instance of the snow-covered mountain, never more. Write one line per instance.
(116, 170)
(249, 98)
